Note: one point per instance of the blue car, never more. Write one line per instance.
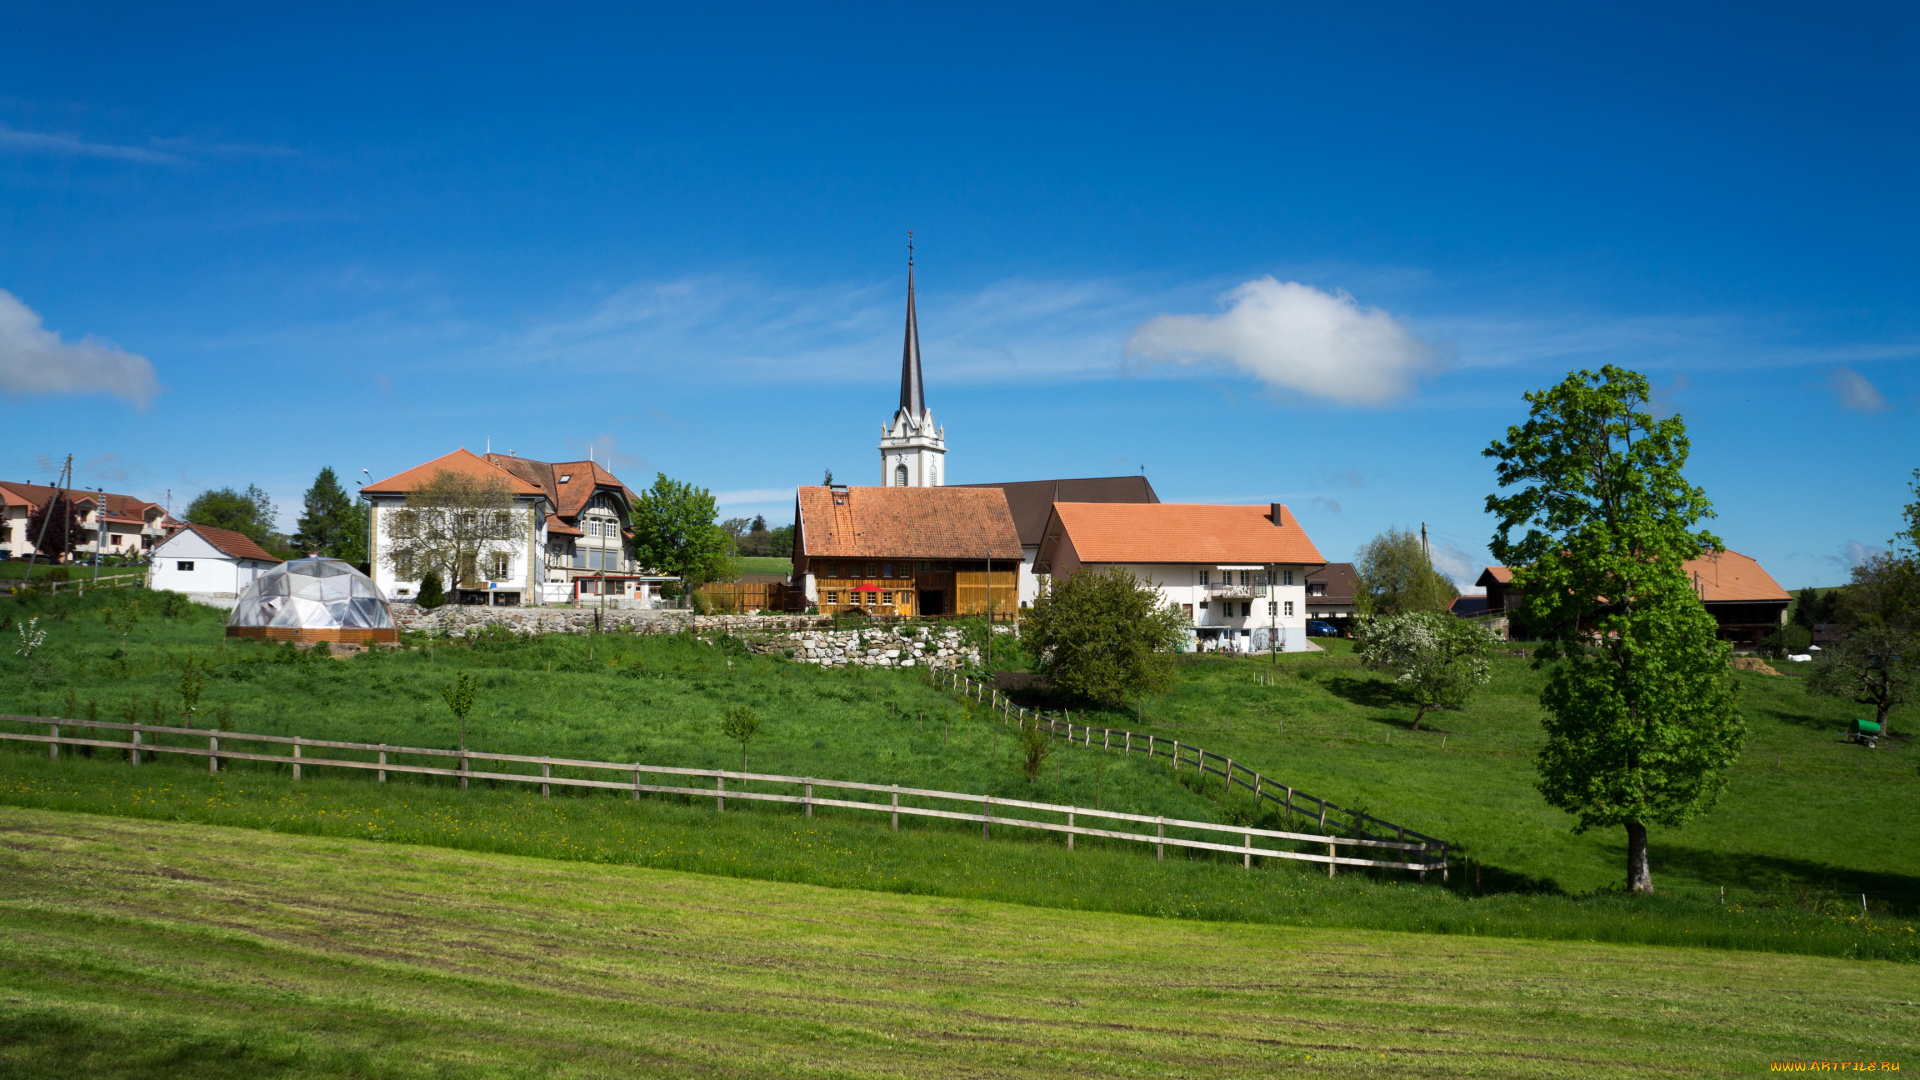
(1321, 628)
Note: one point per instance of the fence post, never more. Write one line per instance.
(1160, 849)
(636, 781)
(1129, 743)
(53, 748)
(1069, 834)
(1246, 861)
(1443, 862)
(807, 796)
(1329, 860)
(1176, 755)
(296, 757)
(1229, 784)
(896, 808)
(463, 770)
(1106, 740)
(720, 800)
(986, 815)
(383, 761)
(546, 772)
(213, 753)
(134, 754)
(1423, 864)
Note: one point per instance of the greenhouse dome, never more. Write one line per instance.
(313, 600)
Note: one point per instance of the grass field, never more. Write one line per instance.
(16, 570)
(1805, 814)
(763, 564)
(135, 948)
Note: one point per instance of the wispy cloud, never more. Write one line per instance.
(156, 152)
(1855, 392)
(34, 360)
(1297, 338)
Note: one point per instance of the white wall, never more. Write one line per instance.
(1180, 584)
(215, 574)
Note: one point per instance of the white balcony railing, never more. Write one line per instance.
(1222, 591)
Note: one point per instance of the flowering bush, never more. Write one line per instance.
(1437, 659)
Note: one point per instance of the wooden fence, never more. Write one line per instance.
(1414, 855)
(746, 596)
(106, 581)
(1291, 800)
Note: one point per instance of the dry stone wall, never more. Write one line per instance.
(885, 647)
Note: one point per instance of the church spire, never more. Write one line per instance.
(913, 397)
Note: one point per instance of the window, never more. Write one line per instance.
(1246, 577)
(1289, 607)
(186, 565)
(579, 557)
(501, 566)
(1286, 577)
(886, 598)
(873, 570)
(403, 565)
(564, 477)
(886, 569)
(1316, 590)
(1273, 608)
(1203, 605)
(1246, 607)
(1187, 609)
(922, 565)
(1203, 580)
(899, 476)
(833, 597)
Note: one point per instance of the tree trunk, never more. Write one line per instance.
(1418, 715)
(1639, 875)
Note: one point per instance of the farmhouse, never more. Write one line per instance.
(1239, 573)
(1031, 502)
(212, 566)
(1741, 596)
(1331, 593)
(906, 550)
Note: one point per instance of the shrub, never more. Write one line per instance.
(432, 593)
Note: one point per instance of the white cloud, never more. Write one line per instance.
(1296, 337)
(67, 145)
(33, 360)
(1853, 553)
(1856, 393)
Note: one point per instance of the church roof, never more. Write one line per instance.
(1031, 501)
(913, 394)
(904, 523)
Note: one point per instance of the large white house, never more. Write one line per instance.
(1238, 572)
(210, 565)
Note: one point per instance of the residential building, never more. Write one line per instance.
(906, 550)
(913, 449)
(1031, 502)
(1332, 592)
(113, 524)
(569, 525)
(1238, 573)
(1744, 600)
(209, 565)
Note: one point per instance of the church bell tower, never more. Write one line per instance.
(913, 450)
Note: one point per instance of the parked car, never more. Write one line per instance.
(1321, 628)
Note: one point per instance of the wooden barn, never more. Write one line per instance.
(907, 551)
(1736, 590)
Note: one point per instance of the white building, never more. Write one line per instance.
(1239, 573)
(112, 524)
(913, 449)
(209, 565)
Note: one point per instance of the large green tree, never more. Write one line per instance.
(674, 531)
(332, 522)
(1397, 577)
(250, 512)
(1642, 715)
(1878, 663)
(1104, 635)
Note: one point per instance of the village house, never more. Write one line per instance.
(906, 550)
(118, 525)
(1742, 597)
(574, 541)
(209, 565)
(1238, 573)
(1332, 592)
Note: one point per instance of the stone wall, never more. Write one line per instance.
(883, 647)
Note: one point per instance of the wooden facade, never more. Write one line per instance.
(916, 587)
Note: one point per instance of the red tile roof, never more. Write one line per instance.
(1031, 501)
(125, 507)
(556, 527)
(904, 523)
(1719, 577)
(460, 461)
(1176, 533)
(237, 544)
(584, 478)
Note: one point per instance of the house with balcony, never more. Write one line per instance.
(571, 540)
(907, 551)
(110, 523)
(1238, 573)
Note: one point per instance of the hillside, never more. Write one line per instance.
(135, 948)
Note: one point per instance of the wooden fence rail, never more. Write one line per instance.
(1413, 855)
(1293, 801)
(107, 581)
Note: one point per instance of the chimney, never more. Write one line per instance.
(1276, 514)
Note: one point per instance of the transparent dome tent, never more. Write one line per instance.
(313, 600)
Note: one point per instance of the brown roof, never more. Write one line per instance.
(556, 527)
(121, 506)
(1031, 501)
(583, 479)
(460, 461)
(237, 544)
(1720, 577)
(904, 523)
(1340, 578)
(1177, 533)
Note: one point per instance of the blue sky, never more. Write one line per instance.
(1308, 255)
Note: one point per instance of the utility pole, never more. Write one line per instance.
(1273, 612)
(66, 477)
(99, 533)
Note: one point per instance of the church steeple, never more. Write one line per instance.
(913, 395)
(913, 449)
